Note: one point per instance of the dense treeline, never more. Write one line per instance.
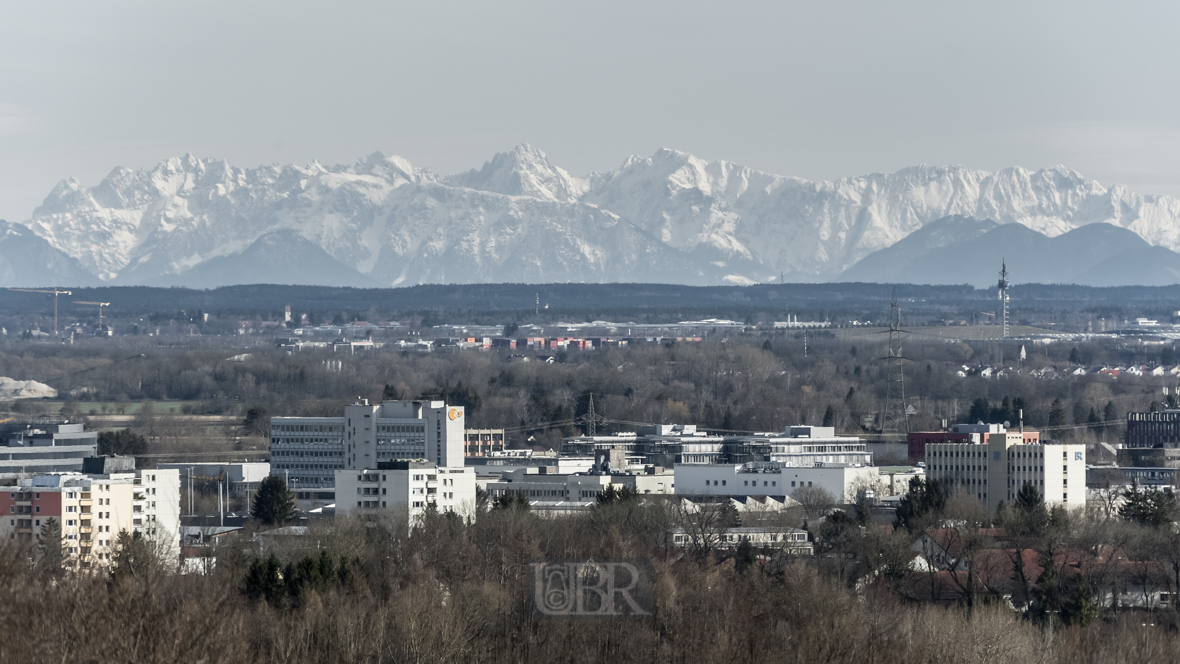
(172, 310)
(455, 590)
(739, 383)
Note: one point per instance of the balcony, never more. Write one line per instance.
(86, 529)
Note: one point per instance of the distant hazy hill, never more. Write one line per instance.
(27, 260)
(958, 250)
(281, 257)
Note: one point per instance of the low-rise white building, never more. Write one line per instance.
(582, 487)
(412, 485)
(793, 540)
(773, 479)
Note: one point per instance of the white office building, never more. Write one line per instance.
(996, 470)
(307, 451)
(410, 485)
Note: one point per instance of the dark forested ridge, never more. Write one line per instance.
(667, 301)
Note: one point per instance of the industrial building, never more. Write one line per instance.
(959, 433)
(542, 487)
(842, 481)
(39, 447)
(676, 445)
(1158, 429)
(241, 478)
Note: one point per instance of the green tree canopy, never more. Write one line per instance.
(1057, 413)
(612, 496)
(257, 421)
(924, 498)
(274, 504)
(512, 500)
(51, 553)
(1148, 508)
(133, 555)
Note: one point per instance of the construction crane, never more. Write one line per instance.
(100, 305)
(55, 292)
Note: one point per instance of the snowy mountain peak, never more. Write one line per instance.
(524, 171)
(392, 168)
(668, 217)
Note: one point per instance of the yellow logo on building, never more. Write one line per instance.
(455, 414)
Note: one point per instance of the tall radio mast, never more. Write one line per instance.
(1003, 286)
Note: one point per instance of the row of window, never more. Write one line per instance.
(308, 428)
(754, 483)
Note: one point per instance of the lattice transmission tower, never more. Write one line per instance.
(591, 420)
(894, 419)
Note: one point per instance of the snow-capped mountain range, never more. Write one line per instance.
(670, 218)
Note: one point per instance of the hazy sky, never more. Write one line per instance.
(816, 89)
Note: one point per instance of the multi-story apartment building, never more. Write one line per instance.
(996, 469)
(156, 509)
(412, 485)
(307, 451)
(93, 510)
